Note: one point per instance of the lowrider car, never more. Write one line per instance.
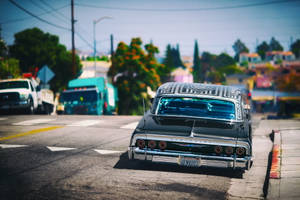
(195, 124)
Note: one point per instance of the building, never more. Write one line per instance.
(249, 57)
(182, 75)
(276, 56)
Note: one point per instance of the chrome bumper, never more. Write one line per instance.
(172, 157)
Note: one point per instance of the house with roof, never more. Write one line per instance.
(280, 56)
(249, 57)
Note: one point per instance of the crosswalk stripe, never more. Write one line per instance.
(6, 146)
(33, 121)
(60, 148)
(130, 126)
(2, 118)
(105, 152)
(86, 123)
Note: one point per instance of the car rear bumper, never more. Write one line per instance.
(174, 157)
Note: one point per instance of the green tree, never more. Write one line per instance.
(216, 67)
(3, 48)
(9, 68)
(262, 49)
(223, 60)
(177, 57)
(133, 70)
(275, 45)
(295, 48)
(207, 62)
(196, 65)
(169, 64)
(239, 47)
(34, 48)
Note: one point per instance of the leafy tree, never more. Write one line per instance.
(295, 48)
(133, 70)
(34, 48)
(102, 58)
(216, 67)
(169, 60)
(9, 68)
(223, 60)
(239, 47)
(230, 69)
(177, 57)
(288, 82)
(262, 49)
(275, 45)
(207, 62)
(169, 64)
(215, 77)
(196, 65)
(3, 48)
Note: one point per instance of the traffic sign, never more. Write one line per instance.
(45, 74)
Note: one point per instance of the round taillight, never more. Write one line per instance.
(162, 145)
(218, 149)
(228, 150)
(151, 144)
(141, 143)
(240, 151)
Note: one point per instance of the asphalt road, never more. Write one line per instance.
(85, 157)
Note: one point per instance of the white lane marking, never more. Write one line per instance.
(6, 146)
(105, 152)
(60, 148)
(32, 122)
(86, 123)
(2, 118)
(130, 126)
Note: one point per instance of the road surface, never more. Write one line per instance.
(85, 157)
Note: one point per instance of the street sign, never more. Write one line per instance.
(45, 74)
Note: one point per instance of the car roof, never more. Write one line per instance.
(199, 89)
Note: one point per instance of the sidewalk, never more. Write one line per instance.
(284, 180)
(252, 183)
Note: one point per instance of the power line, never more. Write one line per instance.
(43, 7)
(50, 23)
(188, 9)
(63, 16)
(23, 19)
(37, 17)
(82, 38)
(68, 19)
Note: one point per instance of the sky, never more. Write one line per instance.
(215, 24)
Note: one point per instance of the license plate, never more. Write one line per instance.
(189, 162)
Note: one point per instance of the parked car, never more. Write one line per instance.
(195, 124)
(18, 94)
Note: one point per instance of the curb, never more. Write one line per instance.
(276, 156)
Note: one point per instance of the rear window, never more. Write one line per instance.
(197, 107)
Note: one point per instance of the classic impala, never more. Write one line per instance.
(195, 124)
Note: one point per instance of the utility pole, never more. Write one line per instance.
(94, 37)
(73, 39)
(111, 45)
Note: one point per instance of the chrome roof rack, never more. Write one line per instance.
(199, 89)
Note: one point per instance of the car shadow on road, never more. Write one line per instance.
(125, 163)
